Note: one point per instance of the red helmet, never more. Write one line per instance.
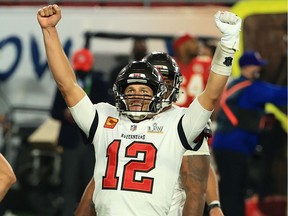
(83, 60)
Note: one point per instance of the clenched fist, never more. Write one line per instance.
(49, 16)
(230, 26)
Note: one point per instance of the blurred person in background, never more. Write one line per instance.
(77, 159)
(207, 48)
(195, 68)
(239, 121)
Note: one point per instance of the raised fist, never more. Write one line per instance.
(49, 16)
(230, 25)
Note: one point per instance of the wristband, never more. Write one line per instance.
(222, 60)
(214, 204)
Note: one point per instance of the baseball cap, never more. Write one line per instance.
(83, 60)
(251, 58)
(182, 39)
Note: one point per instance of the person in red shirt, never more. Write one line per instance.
(194, 68)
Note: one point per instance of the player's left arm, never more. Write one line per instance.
(230, 25)
(7, 177)
(86, 206)
(202, 107)
(194, 175)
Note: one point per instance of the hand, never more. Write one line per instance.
(230, 25)
(49, 16)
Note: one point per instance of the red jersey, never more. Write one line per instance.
(195, 76)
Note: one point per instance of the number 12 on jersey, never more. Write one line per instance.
(145, 165)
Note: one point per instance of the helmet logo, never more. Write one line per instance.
(137, 75)
(163, 69)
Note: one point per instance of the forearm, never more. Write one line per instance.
(7, 177)
(214, 88)
(194, 204)
(60, 67)
(194, 175)
(57, 60)
(221, 69)
(212, 192)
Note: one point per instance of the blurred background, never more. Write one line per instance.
(28, 135)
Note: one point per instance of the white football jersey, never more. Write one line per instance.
(137, 164)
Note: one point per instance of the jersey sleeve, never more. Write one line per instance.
(195, 120)
(83, 121)
(203, 150)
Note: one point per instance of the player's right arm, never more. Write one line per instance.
(63, 74)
